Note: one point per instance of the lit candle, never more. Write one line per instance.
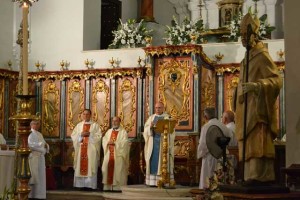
(25, 49)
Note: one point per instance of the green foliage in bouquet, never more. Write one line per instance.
(184, 33)
(130, 34)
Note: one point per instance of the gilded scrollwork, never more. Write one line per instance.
(208, 89)
(101, 103)
(50, 118)
(75, 103)
(86, 74)
(174, 88)
(182, 148)
(230, 91)
(127, 104)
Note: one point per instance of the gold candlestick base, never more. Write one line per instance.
(24, 117)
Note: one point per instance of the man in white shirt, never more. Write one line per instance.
(116, 157)
(39, 148)
(228, 120)
(209, 163)
(86, 138)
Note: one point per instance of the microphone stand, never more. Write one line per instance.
(245, 76)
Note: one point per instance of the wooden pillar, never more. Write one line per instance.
(147, 11)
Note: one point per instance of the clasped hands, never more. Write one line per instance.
(249, 87)
(85, 134)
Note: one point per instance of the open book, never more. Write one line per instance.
(156, 118)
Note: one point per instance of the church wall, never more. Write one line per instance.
(164, 12)
(91, 24)
(6, 32)
(129, 9)
(56, 32)
(292, 43)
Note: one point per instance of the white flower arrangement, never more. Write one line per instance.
(264, 31)
(234, 27)
(179, 34)
(130, 34)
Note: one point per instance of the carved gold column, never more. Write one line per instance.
(24, 117)
(147, 10)
(165, 171)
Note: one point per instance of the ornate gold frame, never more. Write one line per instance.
(127, 85)
(73, 88)
(172, 67)
(101, 87)
(50, 88)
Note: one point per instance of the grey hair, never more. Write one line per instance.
(34, 122)
(210, 112)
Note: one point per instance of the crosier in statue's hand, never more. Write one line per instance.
(249, 87)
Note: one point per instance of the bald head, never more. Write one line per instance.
(228, 117)
(116, 121)
(159, 108)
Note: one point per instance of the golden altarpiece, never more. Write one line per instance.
(182, 77)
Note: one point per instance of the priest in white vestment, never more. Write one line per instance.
(86, 138)
(209, 163)
(116, 157)
(153, 148)
(39, 148)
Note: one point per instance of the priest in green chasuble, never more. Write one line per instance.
(263, 87)
(153, 147)
(86, 138)
(116, 157)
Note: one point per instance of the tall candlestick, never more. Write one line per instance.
(25, 49)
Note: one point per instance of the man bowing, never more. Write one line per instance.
(116, 157)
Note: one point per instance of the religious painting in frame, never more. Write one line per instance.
(2, 87)
(75, 103)
(174, 82)
(13, 91)
(51, 108)
(231, 81)
(208, 90)
(127, 104)
(100, 103)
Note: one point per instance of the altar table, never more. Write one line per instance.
(6, 169)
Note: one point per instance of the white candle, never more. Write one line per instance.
(25, 49)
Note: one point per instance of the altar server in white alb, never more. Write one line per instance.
(153, 147)
(86, 139)
(209, 163)
(39, 148)
(116, 157)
